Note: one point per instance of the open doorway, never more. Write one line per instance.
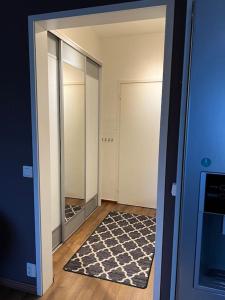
(130, 99)
(130, 59)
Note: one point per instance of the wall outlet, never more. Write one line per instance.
(31, 270)
(28, 171)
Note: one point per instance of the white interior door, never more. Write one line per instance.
(139, 143)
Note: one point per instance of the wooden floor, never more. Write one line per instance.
(70, 286)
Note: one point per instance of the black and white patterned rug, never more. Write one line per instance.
(70, 211)
(121, 249)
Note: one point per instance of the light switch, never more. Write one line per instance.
(28, 171)
(223, 226)
(174, 189)
(31, 270)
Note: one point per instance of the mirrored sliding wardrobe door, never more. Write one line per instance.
(92, 134)
(72, 138)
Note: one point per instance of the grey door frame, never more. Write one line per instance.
(181, 143)
(39, 238)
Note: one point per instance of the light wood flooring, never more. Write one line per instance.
(70, 286)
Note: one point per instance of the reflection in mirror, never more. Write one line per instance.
(73, 118)
(92, 111)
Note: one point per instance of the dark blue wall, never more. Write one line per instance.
(204, 139)
(16, 200)
(17, 243)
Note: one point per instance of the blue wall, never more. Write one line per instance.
(205, 136)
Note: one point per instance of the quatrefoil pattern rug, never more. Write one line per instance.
(121, 250)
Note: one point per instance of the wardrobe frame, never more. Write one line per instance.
(68, 228)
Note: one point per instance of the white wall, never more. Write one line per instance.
(124, 58)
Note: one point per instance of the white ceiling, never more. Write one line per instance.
(129, 28)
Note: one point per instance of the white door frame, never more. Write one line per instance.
(38, 26)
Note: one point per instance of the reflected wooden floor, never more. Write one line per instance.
(74, 201)
(70, 286)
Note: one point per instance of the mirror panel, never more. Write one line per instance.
(73, 57)
(79, 127)
(92, 129)
(73, 132)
